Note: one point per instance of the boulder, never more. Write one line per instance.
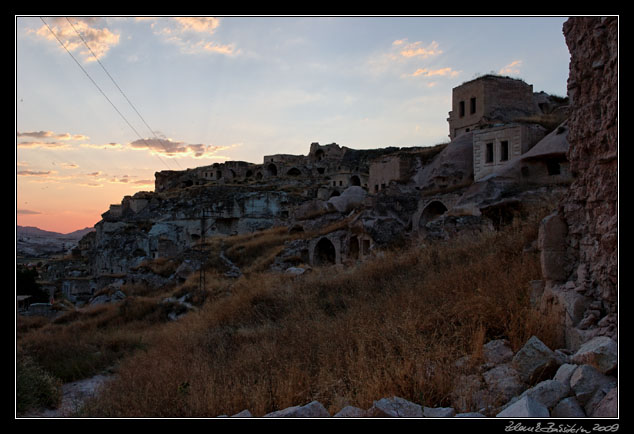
(535, 361)
(395, 407)
(503, 382)
(351, 198)
(564, 373)
(497, 352)
(600, 352)
(587, 380)
(568, 407)
(608, 406)
(313, 409)
(439, 412)
(351, 411)
(243, 413)
(547, 392)
(525, 407)
(470, 414)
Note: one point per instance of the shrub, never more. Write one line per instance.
(35, 388)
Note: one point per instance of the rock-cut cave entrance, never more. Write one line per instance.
(325, 253)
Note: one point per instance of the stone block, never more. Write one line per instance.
(395, 407)
(600, 352)
(525, 407)
(535, 362)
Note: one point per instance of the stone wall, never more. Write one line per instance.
(585, 233)
(591, 207)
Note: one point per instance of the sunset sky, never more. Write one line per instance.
(158, 93)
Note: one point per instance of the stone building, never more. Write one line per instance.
(489, 100)
(494, 148)
(387, 169)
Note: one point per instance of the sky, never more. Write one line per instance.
(125, 97)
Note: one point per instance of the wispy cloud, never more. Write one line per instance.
(442, 72)
(170, 148)
(40, 144)
(52, 135)
(193, 35)
(511, 68)
(416, 49)
(34, 173)
(92, 29)
(27, 212)
(48, 139)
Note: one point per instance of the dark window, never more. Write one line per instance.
(504, 150)
(489, 153)
(461, 108)
(553, 167)
(472, 106)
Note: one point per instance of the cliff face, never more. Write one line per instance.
(579, 242)
(590, 209)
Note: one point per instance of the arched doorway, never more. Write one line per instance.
(271, 169)
(294, 171)
(325, 253)
(354, 180)
(432, 211)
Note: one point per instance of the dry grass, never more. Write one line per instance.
(394, 325)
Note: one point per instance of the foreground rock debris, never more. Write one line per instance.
(566, 389)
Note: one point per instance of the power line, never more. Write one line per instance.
(100, 90)
(117, 86)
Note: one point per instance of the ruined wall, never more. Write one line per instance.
(579, 242)
(591, 207)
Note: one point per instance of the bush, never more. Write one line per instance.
(35, 388)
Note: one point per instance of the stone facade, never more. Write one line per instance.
(494, 148)
(487, 100)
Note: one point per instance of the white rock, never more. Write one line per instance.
(535, 361)
(568, 407)
(600, 352)
(313, 409)
(586, 380)
(439, 412)
(395, 407)
(525, 407)
(351, 411)
(548, 392)
(497, 352)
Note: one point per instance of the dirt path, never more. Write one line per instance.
(73, 396)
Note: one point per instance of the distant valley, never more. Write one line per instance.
(33, 242)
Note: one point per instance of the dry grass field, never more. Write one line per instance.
(394, 324)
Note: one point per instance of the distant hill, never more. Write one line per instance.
(36, 242)
(32, 231)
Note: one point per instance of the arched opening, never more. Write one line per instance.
(271, 169)
(218, 174)
(432, 211)
(354, 180)
(188, 183)
(353, 248)
(325, 253)
(294, 171)
(249, 174)
(319, 154)
(258, 176)
(335, 193)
